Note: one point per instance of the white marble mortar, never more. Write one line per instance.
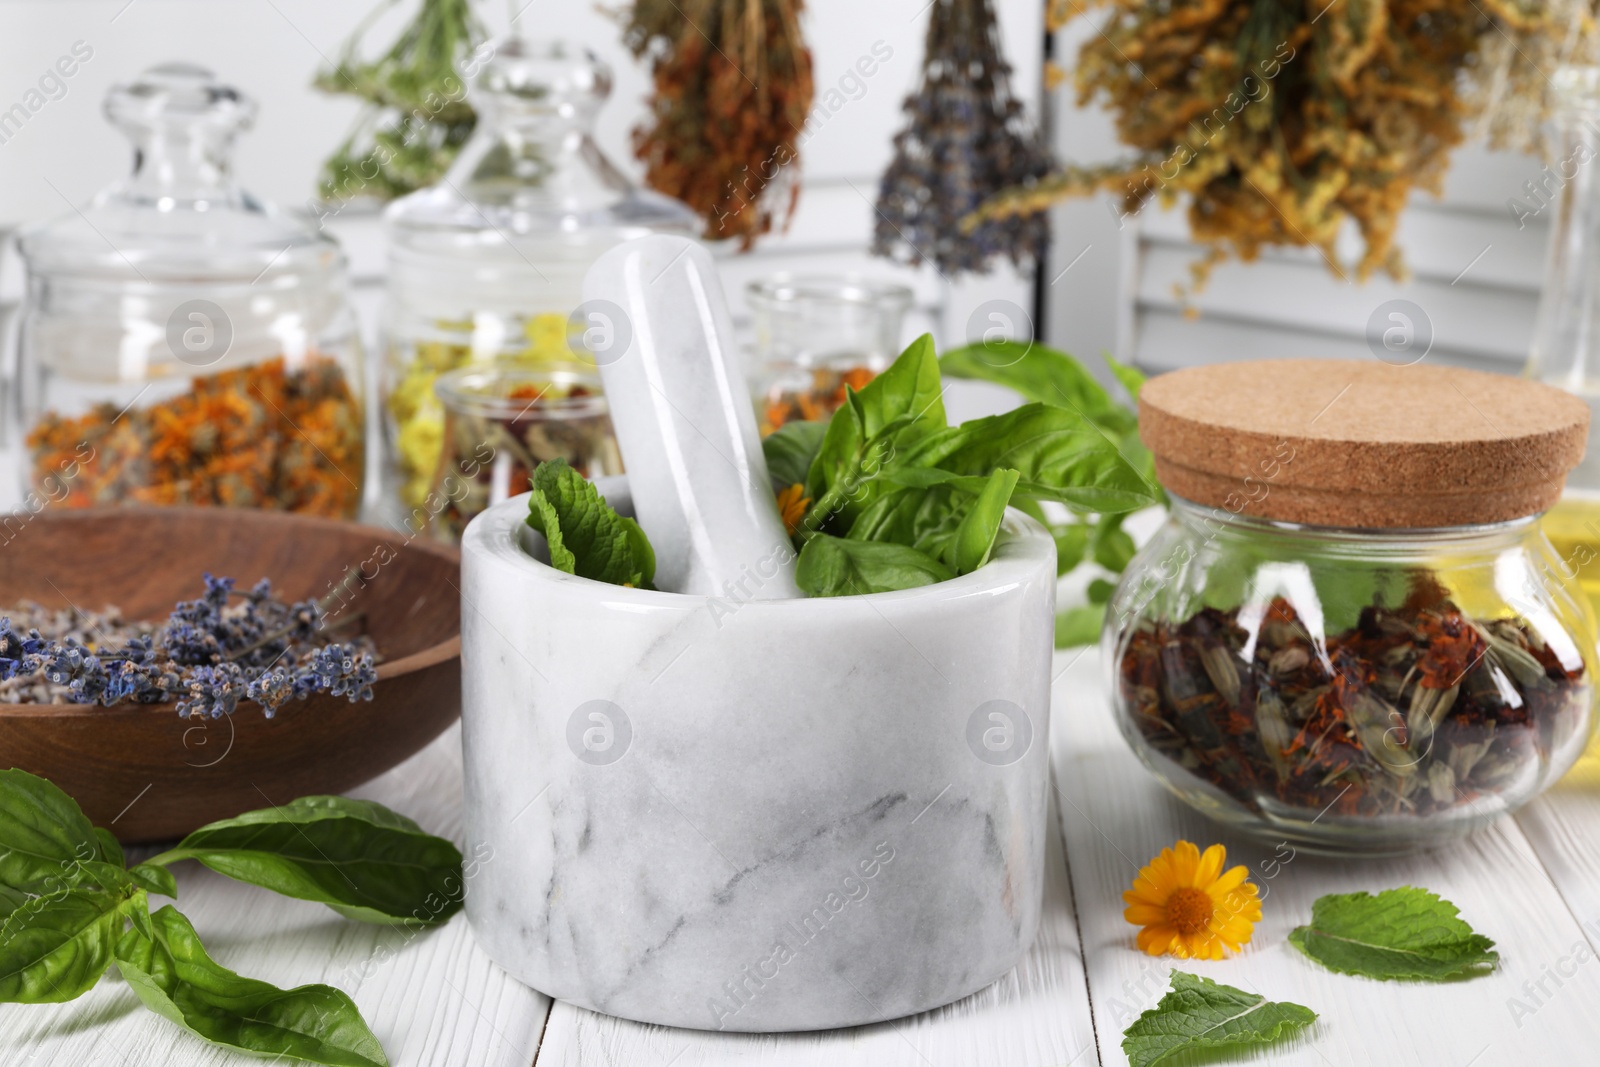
(774, 815)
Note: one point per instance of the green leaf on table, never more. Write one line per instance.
(45, 838)
(585, 534)
(1058, 454)
(1080, 626)
(1131, 377)
(55, 947)
(975, 537)
(1399, 933)
(172, 974)
(359, 858)
(790, 450)
(1201, 1014)
(1041, 374)
(834, 566)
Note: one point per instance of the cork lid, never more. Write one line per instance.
(1361, 444)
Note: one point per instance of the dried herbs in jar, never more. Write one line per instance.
(1351, 633)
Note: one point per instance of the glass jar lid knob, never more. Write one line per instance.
(182, 122)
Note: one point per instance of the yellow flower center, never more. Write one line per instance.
(1189, 910)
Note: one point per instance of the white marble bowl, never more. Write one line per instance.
(776, 815)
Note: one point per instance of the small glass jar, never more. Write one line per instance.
(182, 343)
(1349, 686)
(503, 421)
(816, 334)
(488, 265)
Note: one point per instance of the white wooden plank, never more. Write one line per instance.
(432, 998)
(1563, 826)
(1115, 817)
(1036, 1016)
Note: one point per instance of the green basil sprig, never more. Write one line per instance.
(70, 908)
(889, 469)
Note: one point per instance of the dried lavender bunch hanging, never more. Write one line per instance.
(732, 90)
(967, 139)
(209, 655)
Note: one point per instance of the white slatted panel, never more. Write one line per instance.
(1475, 273)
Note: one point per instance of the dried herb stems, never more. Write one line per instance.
(732, 90)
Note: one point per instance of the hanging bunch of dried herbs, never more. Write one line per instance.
(967, 139)
(417, 116)
(732, 90)
(1283, 120)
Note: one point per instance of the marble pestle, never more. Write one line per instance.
(685, 422)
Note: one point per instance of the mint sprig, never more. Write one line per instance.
(1199, 1014)
(585, 534)
(1399, 933)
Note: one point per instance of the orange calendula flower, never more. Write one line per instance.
(1189, 906)
(792, 504)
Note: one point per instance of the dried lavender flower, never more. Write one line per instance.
(966, 140)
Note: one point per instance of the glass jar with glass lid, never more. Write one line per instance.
(1351, 633)
(488, 265)
(183, 343)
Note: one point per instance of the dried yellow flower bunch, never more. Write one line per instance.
(1280, 121)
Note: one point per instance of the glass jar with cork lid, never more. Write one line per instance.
(1351, 634)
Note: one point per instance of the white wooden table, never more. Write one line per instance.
(1532, 883)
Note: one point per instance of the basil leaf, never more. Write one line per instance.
(975, 537)
(172, 974)
(1080, 626)
(790, 449)
(56, 947)
(11, 900)
(1110, 545)
(1072, 542)
(833, 566)
(1131, 377)
(359, 858)
(110, 848)
(1041, 374)
(924, 519)
(585, 534)
(900, 406)
(1399, 933)
(154, 879)
(1201, 1014)
(1059, 454)
(44, 835)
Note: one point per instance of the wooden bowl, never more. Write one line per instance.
(149, 775)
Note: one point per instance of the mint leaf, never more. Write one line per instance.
(585, 534)
(833, 566)
(1199, 1013)
(1400, 933)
